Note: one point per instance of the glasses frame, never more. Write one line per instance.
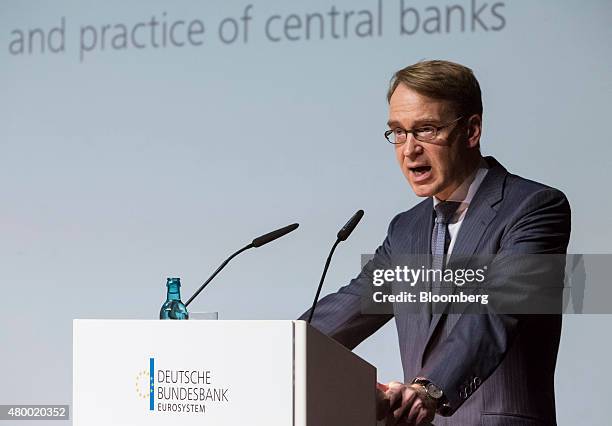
(436, 129)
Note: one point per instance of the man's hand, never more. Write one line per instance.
(383, 407)
(404, 405)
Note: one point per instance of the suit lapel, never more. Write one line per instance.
(420, 248)
(479, 215)
(421, 231)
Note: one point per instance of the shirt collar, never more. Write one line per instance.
(466, 191)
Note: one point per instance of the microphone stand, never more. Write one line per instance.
(316, 299)
(343, 234)
(257, 242)
(217, 271)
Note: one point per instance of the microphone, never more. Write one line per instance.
(347, 229)
(257, 242)
(343, 234)
(271, 236)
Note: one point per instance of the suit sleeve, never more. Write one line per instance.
(478, 343)
(339, 315)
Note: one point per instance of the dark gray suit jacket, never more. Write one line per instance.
(495, 369)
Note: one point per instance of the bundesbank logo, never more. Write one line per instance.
(179, 390)
(144, 384)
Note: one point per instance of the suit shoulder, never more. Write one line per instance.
(405, 217)
(520, 188)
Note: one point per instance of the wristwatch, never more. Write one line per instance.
(435, 393)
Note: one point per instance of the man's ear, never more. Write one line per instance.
(474, 129)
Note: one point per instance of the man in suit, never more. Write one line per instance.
(491, 368)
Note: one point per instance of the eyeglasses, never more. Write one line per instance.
(398, 135)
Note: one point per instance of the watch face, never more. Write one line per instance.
(434, 391)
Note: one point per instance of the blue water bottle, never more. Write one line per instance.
(173, 308)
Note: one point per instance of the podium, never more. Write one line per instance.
(218, 373)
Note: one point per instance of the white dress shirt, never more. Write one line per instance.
(464, 194)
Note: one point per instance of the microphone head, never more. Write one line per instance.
(271, 236)
(347, 229)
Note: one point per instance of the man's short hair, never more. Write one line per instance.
(442, 80)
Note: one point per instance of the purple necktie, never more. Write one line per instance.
(439, 238)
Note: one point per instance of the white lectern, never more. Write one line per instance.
(218, 373)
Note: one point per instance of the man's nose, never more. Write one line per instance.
(412, 147)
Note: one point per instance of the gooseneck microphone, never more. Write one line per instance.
(271, 236)
(343, 234)
(347, 229)
(257, 242)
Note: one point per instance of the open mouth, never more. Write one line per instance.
(420, 174)
(419, 171)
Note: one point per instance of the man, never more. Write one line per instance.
(464, 369)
